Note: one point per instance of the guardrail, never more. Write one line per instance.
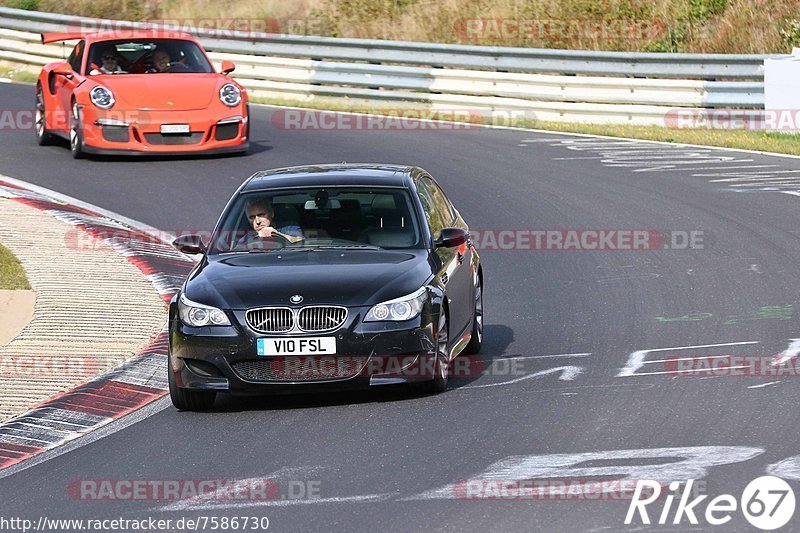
(560, 85)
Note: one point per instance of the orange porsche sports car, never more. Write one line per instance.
(140, 92)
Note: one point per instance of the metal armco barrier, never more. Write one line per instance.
(552, 85)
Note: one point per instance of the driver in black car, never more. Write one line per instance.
(260, 214)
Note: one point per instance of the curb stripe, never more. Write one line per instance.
(124, 389)
(14, 453)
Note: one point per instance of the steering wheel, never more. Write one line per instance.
(176, 66)
(275, 242)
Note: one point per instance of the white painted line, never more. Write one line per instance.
(568, 373)
(689, 358)
(763, 385)
(792, 351)
(636, 360)
(705, 168)
(771, 185)
(196, 505)
(692, 371)
(748, 176)
(702, 346)
(586, 354)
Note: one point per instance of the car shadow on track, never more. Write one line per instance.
(466, 369)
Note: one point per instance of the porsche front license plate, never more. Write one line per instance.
(297, 346)
(174, 128)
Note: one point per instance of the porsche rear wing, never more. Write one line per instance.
(66, 36)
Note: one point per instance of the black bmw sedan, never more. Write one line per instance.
(326, 277)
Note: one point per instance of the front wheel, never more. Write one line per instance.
(188, 399)
(441, 368)
(76, 133)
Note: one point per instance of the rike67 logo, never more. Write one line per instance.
(767, 503)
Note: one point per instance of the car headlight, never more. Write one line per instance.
(102, 98)
(230, 95)
(403, 308)
(197, 315)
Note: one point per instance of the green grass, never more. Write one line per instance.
(12, 275)
(782, 143)
(17, 74)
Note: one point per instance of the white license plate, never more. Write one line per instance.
(175, 128)
(297, 346)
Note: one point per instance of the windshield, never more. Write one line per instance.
(147, 56)
(316, 218)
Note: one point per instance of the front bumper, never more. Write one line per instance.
(368, 354)
(139, 132)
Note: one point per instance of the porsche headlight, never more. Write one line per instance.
(403, 308)
(197, 315)
(102, 97)
(230, 95)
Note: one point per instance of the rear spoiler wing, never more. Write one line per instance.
(66, 36)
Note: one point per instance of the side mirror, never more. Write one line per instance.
(451, 237)
(228, 66)
(190, 244)
(63, 69)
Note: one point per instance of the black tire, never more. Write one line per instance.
(43, 138)
(188, 399)
(476, 342)
(441, 370)
(76, 133)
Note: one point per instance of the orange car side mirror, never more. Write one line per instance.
(63, 69)
(228, 67)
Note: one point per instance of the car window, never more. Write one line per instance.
(76, 57)
(139, 56)
(442, 204)
(333, 216)
(436, 207)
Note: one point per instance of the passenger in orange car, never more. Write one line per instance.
(161, 60)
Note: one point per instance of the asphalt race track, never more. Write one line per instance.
(573, 388)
